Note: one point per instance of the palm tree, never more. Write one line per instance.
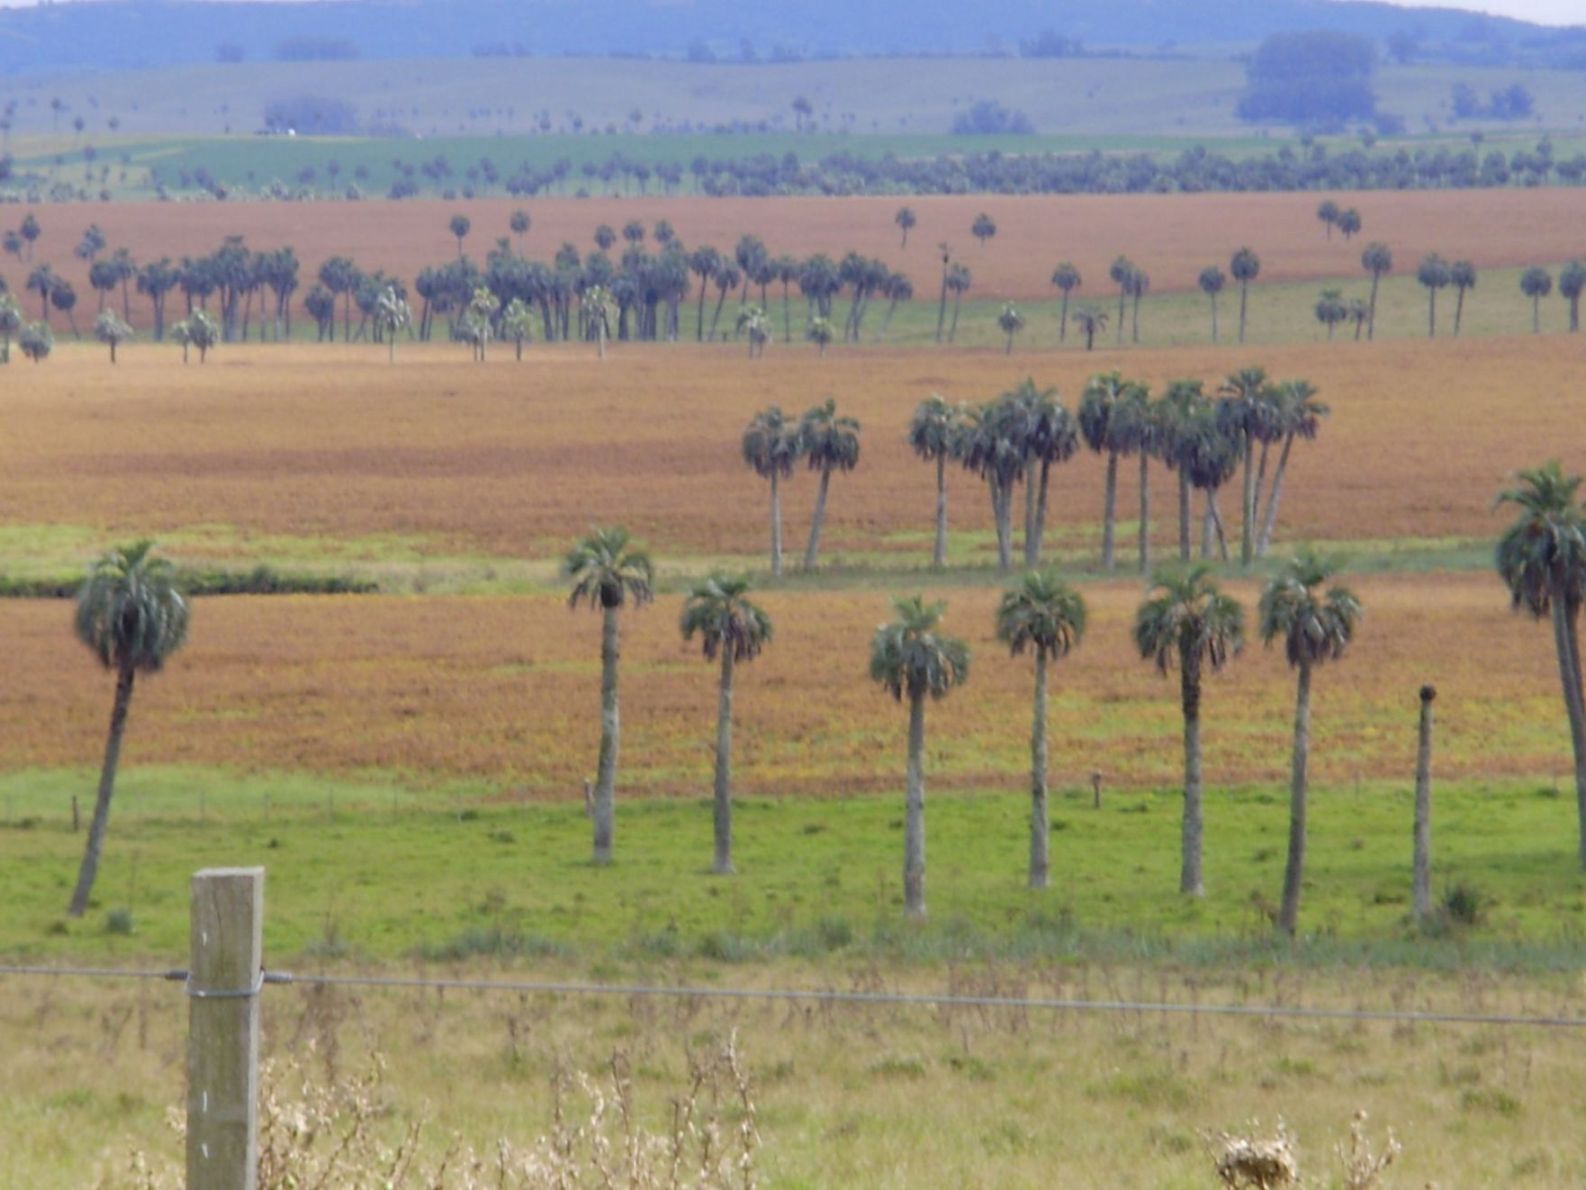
(905, 220)
(519, 223)
(110, 329)
(1536, 283)
(1331, 309)
(1137, 427)
(1100, 427)
(1314, 628)
(1181, 406)
(1542, 560)
(729, 624)
(460, 226)
(1297, 414)
(1571, 284)
(752, 321)
(392, 316)
(1247, 413)
(910, 659)
(1245, 267)
(828, 443)
(983, 228)
(1212, 282)
(771, 448)
(1045, 615)
(133, 616)
(1377, 261)
(959, 279)
(936, 435)
(1066, 277)
(703, 263)
(1189, 623)
(1434, 274)
(608, 572)
(1091, 321)
(1046, 434)
(1350, 223)
(994, 448)
(10, 324)
(1121, 271)
(1463, 276)
(1328, 213)
(1010, 322)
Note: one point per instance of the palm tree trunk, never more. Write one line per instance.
(1109, 511)
(1431, 314)
(776, 525)
(723, 817)
(787, 316)
(1261, 486)
(941, 311)
(1244, 297)
(1294, 871)
(813, 549)
(1192, 831)
(1145, 511)
(107, 784)
(1062, 325)
(606, 774)
(1247, 527)
(1214, 317)
(1032, 540)
(1459, 310)
(1568, 649)
(1183, 515)
(1040, 510)
(1040, 831)
(958, 301)
(1122, 296)
(914, 813)
(1217, 524)
(1270, 521)
(1001, 499)
(939, 554)
(1207, 531)
(699, 329)
(1536, 315)
(715, 318)
(1423, 810)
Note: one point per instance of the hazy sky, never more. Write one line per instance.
(1550, 12)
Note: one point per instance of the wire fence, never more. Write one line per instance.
(825, 996)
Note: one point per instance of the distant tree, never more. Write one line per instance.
(728, 624)
(103, 276)
(821, 333)
(959, 280)
(1310, 78)
(10, 324)
(1066, 277)
(132, 616)
(1044, 432)
(1462, 274)
(771, 448)
(11, 242)
(460, 226)
(1090, 321)
(1139, 284)
(1571, 282)
(1178, 423)
(756, 327)
(983, 228)
(726, 278)
(203, 332)
(1045, 616)
(1122, 273)
(905, 219)
(181, 335)
(42, 281)
(703, 263)
(1189, 624)
(936, 435)
(477, 324)
(392, 316)
(1360, 311)
(519, 223)
(1105, 432)
(155, 281)
(1245, 267)
(1536, 283)
(829, 442)
(987, 117)
(1296, 414)
(110, 329)
(36, 341)
(1377, 261)
(911, 659)
(64, 298)
(1328, 213)
(608, 572)
(1314, 628)
(91, 245)
(517, 324)
(599, 307)
(30, 231)
(1349, 222)
(1212, 282)
(1247, 414)
(803, 113)
(1433, 274)
(1010, 322)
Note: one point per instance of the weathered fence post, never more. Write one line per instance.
(1423, 809)
(224, 980)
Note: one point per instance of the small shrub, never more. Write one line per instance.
(118, 921)
(1463, 904)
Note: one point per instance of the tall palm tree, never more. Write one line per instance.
(1103, 395)
(608, 572)
(829, 443)
(1463, 276)
(1542, 560)
(1536, 283)
(1434, 274)
(1121, 271)
(1212, 282)
(771, 448)
(1189, 623)
(905, 219)
(718, 609)
(1248, 413)
(1066, 277)
(1091, 322)
(1378, 261)
(994, 449)
(1045, 615)
(936, 435)
(910, 659)
(1137, 427)
(131, 613)
(1245, 267)
(1010, 322)
(1314, 628)
(959, 280)
(1180, 407)
(1298, 414)
(1047, 435)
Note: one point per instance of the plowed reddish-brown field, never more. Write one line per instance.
(1172, 236)
(507, 689)
(515, 459)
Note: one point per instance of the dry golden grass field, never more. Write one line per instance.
(1172, 236)
(320, 445)
(504, 690)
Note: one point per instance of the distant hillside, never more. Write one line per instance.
(153, 33)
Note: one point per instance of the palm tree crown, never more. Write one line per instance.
(1042, 613)
(1187, 616)
(608, 571)
(130, 613)
(935, 430)
(1545, 549)
(718, 610)
(771, 444)
(829, 442)
(909, 657)
(1314, 627)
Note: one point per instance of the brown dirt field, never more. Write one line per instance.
(514, 459)
(1172, 236)
(506, 690)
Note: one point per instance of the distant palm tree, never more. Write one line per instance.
(828, 443)
(959, 280)
(905, 220)
(1010, 322)
(1314, 628)
(1571, 284)
(1211, 282)
(1122, 272)
(1434, 274)
(132, 615)
(1248, 414)
(1536, 283)
(392, 316)
(1541, 558)
(608, 573)
(1297, 414)
(821, 333)
(1245, 267)
(460, 226)
(1350, 223)
(1101, 427)
(1188, 623)
(983, 228)
(519, 223)
(728, 623)
(936, 435)
(1045, 615)
(1066, 277)
(1177, 423)
(110, 329)
(1047, 435)
(1091, 321)
(1463, 275)
(1328, 213)
(910, 659)
(1378, 261)
(753, 323)
(771, 448)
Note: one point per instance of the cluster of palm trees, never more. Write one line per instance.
(774, 444)
(1251, 423)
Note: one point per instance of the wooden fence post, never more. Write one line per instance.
(1422, 881)
(224, 980)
